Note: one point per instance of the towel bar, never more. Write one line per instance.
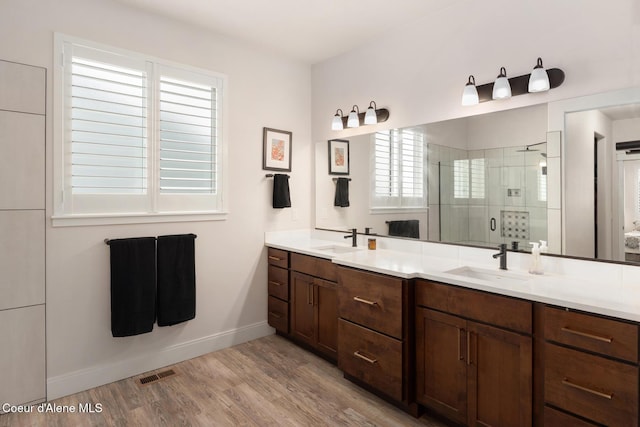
(336, 179)
(108, 241)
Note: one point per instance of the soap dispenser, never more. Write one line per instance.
(536, 262)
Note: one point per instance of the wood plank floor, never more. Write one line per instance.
(265, 382)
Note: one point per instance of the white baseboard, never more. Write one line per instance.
(74, 382)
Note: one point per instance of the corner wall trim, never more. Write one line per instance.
(84, 379)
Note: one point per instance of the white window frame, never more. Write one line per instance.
(71, 210)
(398, 203)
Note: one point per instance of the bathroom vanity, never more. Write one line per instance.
(440, 328)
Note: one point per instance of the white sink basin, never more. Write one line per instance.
(488, 275)
(336, 249)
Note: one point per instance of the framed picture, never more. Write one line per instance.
(276, 150)
(338, 157)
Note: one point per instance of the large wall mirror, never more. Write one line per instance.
(547, 172)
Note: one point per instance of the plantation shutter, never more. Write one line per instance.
(108, 126)
(188, 137)
(398, 164)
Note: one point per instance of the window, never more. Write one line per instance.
(469, 178)
(398, 164)
(135, 136)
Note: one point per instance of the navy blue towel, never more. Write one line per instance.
(176, 279)
(341, 198)
(133, 286)
(281, 197)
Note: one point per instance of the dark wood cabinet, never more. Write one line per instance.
(590, 368)
(314, 313)
(441, 368)
(471, 372)
(375, 335)
(278, 289)
(314, 317)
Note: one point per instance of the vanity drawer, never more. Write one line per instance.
(278, 281)
(318, 267)
(371, 300)
(605, 336)
(278, 314)
(371, 357)
(278, 257)
(496, 310)
(591, 386)
(553, 417)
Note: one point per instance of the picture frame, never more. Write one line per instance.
(338, 157)
(276, 150)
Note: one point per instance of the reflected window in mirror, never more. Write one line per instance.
(469, 178)
(399, 172)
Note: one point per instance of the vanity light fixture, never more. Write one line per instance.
(336, 123)
(372, 116)
(539, 80)
(501, 87)
(470, 93)
(353, 121)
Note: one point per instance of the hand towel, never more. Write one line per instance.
(281, 197)
(341, 198)
(133, 285)
(176, 279)
(405, 228)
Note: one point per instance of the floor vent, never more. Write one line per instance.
(149, 379)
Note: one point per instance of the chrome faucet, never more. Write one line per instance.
(354, 237)
(502, 255)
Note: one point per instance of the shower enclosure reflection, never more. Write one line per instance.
(487, 197)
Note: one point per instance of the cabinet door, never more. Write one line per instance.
(499, 375)
(326, 299)
(440, 363)
(302, 308)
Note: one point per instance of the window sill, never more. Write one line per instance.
(134, 218)
(382, 211)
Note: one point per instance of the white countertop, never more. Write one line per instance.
(602, 288)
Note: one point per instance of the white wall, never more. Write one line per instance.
(264, 90)
(418, 72)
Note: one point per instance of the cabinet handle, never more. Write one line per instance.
(363, 357)
(460, 356)
(469, 348)
(274, 258)
(364, 301)
(276, 315)
(275, 283)
(587, 335)
(568, 382)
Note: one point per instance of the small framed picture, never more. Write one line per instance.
(338, 157)
(276, 150)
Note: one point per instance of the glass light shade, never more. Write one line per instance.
(539, 79)
(470, 93)
(353, 121)
(370, 117)
(336, 123)
(501, 87)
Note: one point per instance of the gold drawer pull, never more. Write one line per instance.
(274, 258)
(275, 283)
(365, 301)
(569, 383)
(276, 315)
(586, 335)
(363, 357)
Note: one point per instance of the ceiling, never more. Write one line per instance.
(307, 30)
